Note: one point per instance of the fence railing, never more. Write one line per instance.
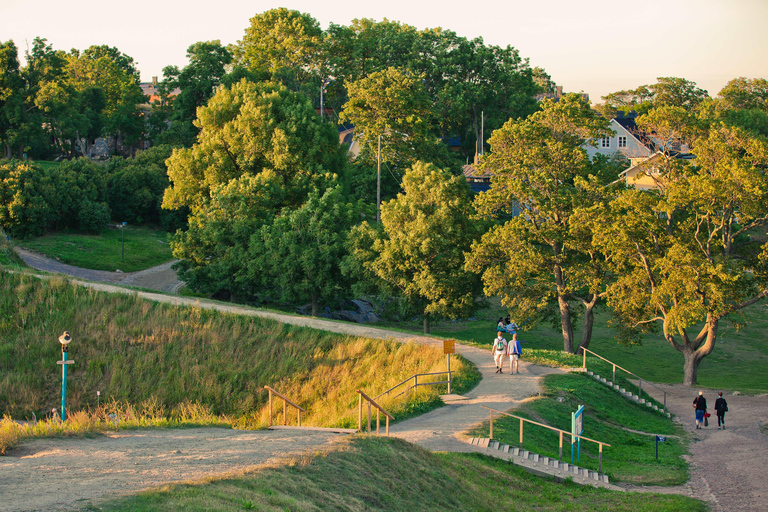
(379, 410)
(640, 380)
(562, 432)
(416, 383)
(286, 402)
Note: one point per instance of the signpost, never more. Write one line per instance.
(449, 347)
(577, 427)
(659, 439)
(64, 339)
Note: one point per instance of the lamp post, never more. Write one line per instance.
(122, 232)
(64, 339)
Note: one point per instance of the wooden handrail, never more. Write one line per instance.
(286, 401)
(561, 432)
(416, 384)
(379, 410)
(640, 380)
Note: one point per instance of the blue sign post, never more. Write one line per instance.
(577, 427)
(64, 339)
(659, 439)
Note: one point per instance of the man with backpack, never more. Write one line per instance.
(721, 407)
(499, 350)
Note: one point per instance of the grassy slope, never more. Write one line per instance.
(134, 350)
(375, 473)
(609, 418)
(144, 248)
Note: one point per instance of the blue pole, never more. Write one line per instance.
(64, 384)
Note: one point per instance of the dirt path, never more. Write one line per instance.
(161, 278)
(729, 467)
(70, 473)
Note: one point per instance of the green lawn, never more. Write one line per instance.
(737, 363)
(387, 474)
(610, 418)
(145, 247)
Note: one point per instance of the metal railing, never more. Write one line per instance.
(416, 384)
(286, 402)
(379, 410)
(562, 432)
(640, 380)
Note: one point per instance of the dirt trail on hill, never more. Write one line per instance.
(729, 467)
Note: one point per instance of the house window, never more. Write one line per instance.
(622, 142)
(605, 142)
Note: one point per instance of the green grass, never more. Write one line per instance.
(609, 418)
(135, 351)
(144, 248)
(737, 363)
(377, 473)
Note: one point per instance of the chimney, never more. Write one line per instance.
(154, 81)
(559, 91)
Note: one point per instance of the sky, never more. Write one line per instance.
(592, 46)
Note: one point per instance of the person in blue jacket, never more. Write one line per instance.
(514, 350)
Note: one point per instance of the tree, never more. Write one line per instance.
(420, 249)
(537, 262)
(297, 257)
(12, 88)
(693, 251)
(197, 83)
(283, 42)
(261, 148)
(666, 92)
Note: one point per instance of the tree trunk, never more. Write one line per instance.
(565, 308)
(426, 323)
(315, 305)
(694, 357)
(589, 321)
(690, 367)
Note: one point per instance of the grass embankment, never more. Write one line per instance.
(144, 248)
(375, 473)
(138, 352)
(609, 418)
(737, 363)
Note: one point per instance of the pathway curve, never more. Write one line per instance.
(161, 278)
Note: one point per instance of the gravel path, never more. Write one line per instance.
(161, 278)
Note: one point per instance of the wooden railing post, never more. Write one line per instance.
(613, 379)
(285, 412)
(491, 433)
(560, 457)
(521, 432)
(270, 407)
(369, 417)
(378, 419)
(584, 364)
(600, 460)
(387, 417)
(360, 414)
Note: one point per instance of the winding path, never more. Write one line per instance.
(729, 468)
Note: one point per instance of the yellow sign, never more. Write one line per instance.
(448, 347)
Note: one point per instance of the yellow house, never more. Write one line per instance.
(644, 173)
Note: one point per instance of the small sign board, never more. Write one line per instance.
(449, 346)
(661, 439)
(69, 361)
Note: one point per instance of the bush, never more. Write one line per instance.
(93, 217)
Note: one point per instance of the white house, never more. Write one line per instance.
(629, 140)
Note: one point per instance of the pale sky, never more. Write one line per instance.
(595, 46)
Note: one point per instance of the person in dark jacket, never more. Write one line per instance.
(721, 406)
(700, 404)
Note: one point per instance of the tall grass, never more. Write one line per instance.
(135, 351)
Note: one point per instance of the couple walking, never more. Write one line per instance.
(700, 406)
(512, 349)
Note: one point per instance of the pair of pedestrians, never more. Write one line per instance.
(700, 406)
(510, 349)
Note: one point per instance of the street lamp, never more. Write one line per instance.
(122, 232)
(64, 339)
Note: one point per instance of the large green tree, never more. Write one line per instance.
(261, 148)
(691, 253)
(12, 88)
(419, 250)
(537, 261)
(297, 258)
(666, 92)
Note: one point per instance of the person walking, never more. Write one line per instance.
(700, 405)
(499, 349)
(721, 407)
(513, 351)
